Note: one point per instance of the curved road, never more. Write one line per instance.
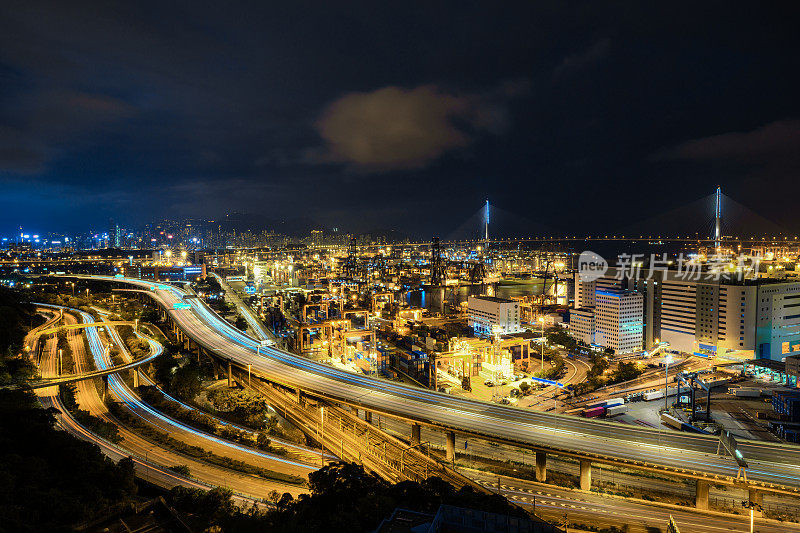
(771, 463)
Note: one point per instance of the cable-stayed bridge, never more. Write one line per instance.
(713, 220)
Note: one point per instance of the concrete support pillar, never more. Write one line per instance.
(756, 496)
(230, 374)
(541, 467)
(701, 495)
(298, 396)
(586, 474)
(135, 378)
(368, 417)
(451, 446)
(105, 387)
(415, 431)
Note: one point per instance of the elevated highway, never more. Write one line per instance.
(49, 328)
(57, 328)
(150, 461)
(72, 378)
(773, 467)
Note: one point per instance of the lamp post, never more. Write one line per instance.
(667, 361)
(403, 454)
(322, 435)
(541, 321)
(753, 506)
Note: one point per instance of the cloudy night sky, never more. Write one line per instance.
(582, 116)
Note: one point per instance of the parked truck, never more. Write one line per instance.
(616, 410)
(594, 412)
(671, 421)
(611, 402)
(614, 402)
(745, 392)
(658, 393)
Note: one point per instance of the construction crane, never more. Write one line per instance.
(438, 272)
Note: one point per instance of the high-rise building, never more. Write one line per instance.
(760, 316)
(485, 313)
(618, 320)
(113, 234)
(581, 324)
(316, 238)
(710, 314)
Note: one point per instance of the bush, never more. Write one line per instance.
(185, 382)
(96, 425)
(197, 452)
(182, 470)
(206, 422)
(51, 479)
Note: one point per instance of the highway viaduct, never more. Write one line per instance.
(688, 456)
(53, 328)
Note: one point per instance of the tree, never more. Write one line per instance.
(241, 323)
(284, 502)
(186, 382)
(165, 367)
(557, 335)
(262, 441)
(181, 469)
(208, 507)
(50, 478)
(626, 372)
(150, 315)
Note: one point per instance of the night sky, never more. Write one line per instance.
(582, 116)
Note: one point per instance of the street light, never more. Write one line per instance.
(403, 454)
(322, 434)
(541, 321)
(667, 361)
(753, 506)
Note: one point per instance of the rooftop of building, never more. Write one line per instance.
(452, 518)
(154, 515)
(616, 293)
(405, 521)
(494, 299)
(691, 273)
(519, 335)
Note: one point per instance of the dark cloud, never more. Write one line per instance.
(146, 109)
(395, 128)
(777, 141)
(47, 121)
(18, 153)
(574, 64)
